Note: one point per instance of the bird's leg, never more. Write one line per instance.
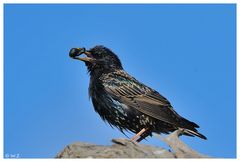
(138, 134)
(141, 138)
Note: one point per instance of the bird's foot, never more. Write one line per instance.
(180, 131)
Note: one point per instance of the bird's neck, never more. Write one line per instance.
(94, 84)
(98, 72)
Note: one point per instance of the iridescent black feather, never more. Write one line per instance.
(128, 104)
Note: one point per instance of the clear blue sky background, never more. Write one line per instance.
(186, 52)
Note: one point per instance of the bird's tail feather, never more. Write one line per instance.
(191, 124)
(193, 133)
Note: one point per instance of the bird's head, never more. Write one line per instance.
(98, 59)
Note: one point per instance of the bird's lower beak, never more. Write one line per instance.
(76, 52)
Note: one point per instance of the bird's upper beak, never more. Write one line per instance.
(76, 52)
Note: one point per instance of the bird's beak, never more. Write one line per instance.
(76, 52)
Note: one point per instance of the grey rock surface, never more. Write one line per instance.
(180, 149)
(125, 148)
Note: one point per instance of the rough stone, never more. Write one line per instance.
(125, 148)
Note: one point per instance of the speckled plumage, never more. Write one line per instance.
(128, 104)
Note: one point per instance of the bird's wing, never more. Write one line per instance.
(136, 95)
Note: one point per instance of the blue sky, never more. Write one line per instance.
(185, 52)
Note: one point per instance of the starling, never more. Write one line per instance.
(126, 103)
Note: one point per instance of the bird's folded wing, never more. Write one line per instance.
(148, 102)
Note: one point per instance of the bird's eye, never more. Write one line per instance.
(98, 55)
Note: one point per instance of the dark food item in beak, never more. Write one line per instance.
(76, 52)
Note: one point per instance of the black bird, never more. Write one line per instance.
(126, 103)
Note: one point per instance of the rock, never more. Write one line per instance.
(121, 148)
(125, 148)
(180, 149)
